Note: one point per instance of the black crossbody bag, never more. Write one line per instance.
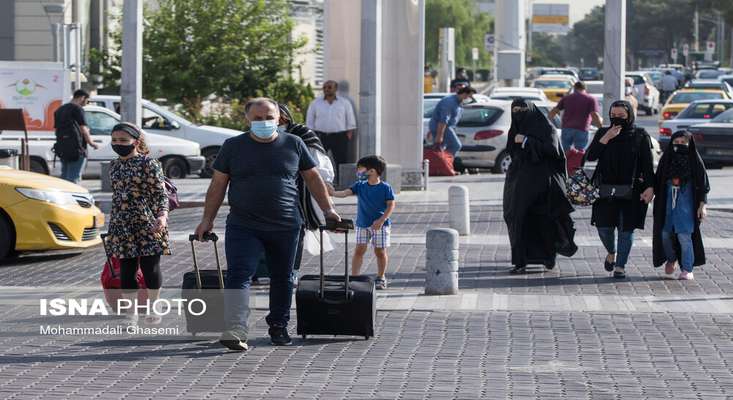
(621, 192)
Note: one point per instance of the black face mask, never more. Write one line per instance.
(619, 121)
(682, 149)
(123, 149)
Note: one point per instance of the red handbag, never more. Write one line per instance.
(575, 159)
(110, 280)
(441, 162)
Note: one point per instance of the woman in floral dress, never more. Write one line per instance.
(138, 227)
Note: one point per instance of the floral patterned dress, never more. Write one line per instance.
(138, 197)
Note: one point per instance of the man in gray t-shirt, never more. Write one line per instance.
(261, 168)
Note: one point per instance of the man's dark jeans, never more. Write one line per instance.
(244, 249)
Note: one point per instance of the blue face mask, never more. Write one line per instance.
(264, 129)
(362, 176)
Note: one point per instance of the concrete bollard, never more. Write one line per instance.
(441, 261)
(104, 177)
(458, 209)
(426, 173)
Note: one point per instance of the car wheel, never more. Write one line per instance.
(502, 163)
(175, 168)
(210, 156)
(7, 238)
(38, 166)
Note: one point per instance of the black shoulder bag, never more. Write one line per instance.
(621, 192)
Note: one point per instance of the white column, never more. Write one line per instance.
(511, 36)
(402, 87)
(370, 79)
(131, 88)
(614, 53)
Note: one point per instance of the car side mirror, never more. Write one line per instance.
(175, 125)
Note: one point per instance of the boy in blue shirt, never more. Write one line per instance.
(375, 205)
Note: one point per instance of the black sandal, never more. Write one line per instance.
(609, 266)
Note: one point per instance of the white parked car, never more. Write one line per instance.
(158, 120)
(179, 157)
(514, 93)
(645, 91)
(483, 131)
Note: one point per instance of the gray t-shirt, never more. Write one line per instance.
(263, 193)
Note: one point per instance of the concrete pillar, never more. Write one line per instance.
(441, 262)
(131, 89)
(447, 56)
(369, 117)
(458, 209)
(402, 87)
(614, 53)
(511, 33)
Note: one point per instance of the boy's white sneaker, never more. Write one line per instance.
(380, 283)
(686, 276)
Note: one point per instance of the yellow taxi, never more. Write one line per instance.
(41, 212)
(555, 86)
(682, 98)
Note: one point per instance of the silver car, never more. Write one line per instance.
(698, 112)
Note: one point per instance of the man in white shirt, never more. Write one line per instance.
(332, 118)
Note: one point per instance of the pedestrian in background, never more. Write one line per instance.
(535, 205)
(579, 110)
(312, 214)
(72, 136)
(682, 188)
(460, 81)
(261, 168)
(332, 118)
(138, 225)
(445, 118)
(375, 204)
(625, 166)
(668, 86)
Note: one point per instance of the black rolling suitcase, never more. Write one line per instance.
(207, 285)
(336, 304)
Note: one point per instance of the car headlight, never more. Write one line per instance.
(50, 196)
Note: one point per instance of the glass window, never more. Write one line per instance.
(689, 97)
(117, 106)
(429, 106)
(100, 123)
(638, 79)
(725, 117)
(96, 103)
(153, 120)
(704, 110)
(479, 116)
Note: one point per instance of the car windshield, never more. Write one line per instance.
(552, 84)
(638, 79)
(689, 97)
(704, 85)
(515, 97)
(725, 117)
(704, 110)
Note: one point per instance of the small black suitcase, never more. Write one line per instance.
(207, 285)
(336, 305)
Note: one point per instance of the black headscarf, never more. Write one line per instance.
(678, 163)
(628, 123)
(530, 122)
(306, 134)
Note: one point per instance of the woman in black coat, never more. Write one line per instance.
(681, 173)
(536, 210)
(625, 164)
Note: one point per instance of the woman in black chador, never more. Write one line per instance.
(536, 210)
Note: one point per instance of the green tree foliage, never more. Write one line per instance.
(232, 48)
(470, 28)
(546, 51)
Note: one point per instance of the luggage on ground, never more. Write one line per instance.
(110, 279)
(441, 162)
(336, 304)
(207, 285)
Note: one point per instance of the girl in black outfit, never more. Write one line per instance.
(536, 210)
(622, 150)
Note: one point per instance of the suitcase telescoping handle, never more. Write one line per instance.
(103, 236)
(208, 236)
(337, 226)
